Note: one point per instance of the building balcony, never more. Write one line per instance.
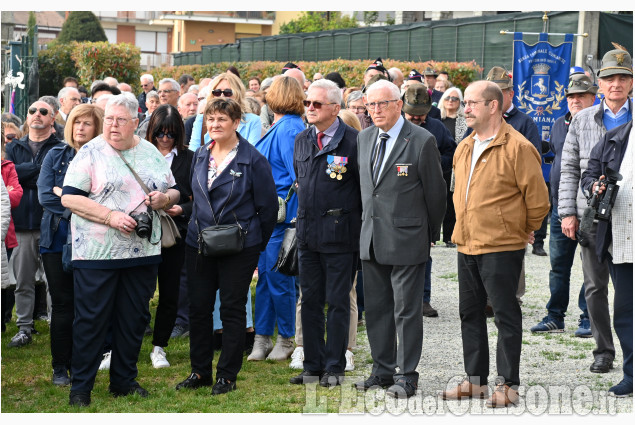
(240, 17)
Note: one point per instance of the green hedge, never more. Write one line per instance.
(88, 61)
(460, 73)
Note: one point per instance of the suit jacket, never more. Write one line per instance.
(181, 165)
(401, 211)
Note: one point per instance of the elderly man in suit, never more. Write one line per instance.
(403, 202)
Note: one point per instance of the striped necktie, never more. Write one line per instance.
(378, 155)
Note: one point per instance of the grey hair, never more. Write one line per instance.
(204, 92)
(381, 84)
(393, 73)
(12, 118)
(92, 86)
(193, 88)
(444, 113)
(148, 77)
(52, 101)
(353, 96)
(333, 92)
(175, 84)
(266, 83)
(127, 100)
(64, 92)
(152, 93)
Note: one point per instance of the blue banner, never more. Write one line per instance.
(541, 75)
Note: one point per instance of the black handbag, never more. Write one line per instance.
(287, 263)
(220, 240)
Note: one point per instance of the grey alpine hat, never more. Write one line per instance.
(614, 62)
(580, 83)
(416, 100)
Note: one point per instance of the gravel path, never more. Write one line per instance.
(554, 368)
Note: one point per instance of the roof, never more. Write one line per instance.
(43, 19)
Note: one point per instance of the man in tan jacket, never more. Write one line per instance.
(500, 198)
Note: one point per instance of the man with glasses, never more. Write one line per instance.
(403, 197)
(500, 199)
(28, 154)
(147, 85)
(168, 92)
(329, 221)
(69, 98)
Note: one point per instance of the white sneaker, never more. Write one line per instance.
(297, 358)
(350, 361)
(105, 362)
(158, 358)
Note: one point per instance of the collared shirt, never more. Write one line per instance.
(170, 156)
(479, 148)
(393, 133)
(328, 133)
(623, 110)
(621, 248)
(63, 115)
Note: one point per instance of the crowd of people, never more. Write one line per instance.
(370, 178)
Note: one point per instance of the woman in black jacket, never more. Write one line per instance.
(166, 132)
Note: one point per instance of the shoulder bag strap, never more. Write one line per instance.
(134, 173)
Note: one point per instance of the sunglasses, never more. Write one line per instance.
(226, 92)
(452, 99)
(10, 136)
(161, 135)
(43, 111)
(316, 105)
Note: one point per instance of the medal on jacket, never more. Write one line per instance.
(336, 166)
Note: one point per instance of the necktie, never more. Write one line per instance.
(378, 155)
(320, 136)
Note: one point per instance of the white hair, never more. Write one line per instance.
(381, 84)
(152, 93)
(148, 77)
(94, 83)
(127, 100)
(333, 92)
(111, 81)
(444, 112)
(394, 73)
(353, 96)
(64, 92)
(175, 84)
(193, 89)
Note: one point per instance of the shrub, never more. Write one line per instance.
(81, 26)
(95, 61)
(55, 64)
(460, 73)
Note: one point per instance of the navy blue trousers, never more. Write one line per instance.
(104, 298)
(326, 279)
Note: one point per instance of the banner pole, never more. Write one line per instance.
(505, 32)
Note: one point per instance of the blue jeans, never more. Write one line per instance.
(427, 285)
(561, 254)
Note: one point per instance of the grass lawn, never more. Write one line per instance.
(261, 386)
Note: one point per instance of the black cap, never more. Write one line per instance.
(378, 65)
(415, 75)
(288, 66)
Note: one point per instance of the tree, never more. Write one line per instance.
(318, 21)
(30, 30)
(370, 17)
(81, 26)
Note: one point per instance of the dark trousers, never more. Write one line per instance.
(326, 278)
(561, 255)
(541, 233)
(169, 274)
(116, 298)
(8, 297)
(232, 276)
(183, 306)
(359, 288)
(449, 220)
(62, 309)
(622, 277)
(494, 275)
(427, 285)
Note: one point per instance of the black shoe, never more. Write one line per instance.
(60, 377)
(538, 250)
(305, 377)
(135, 388)
(428, 311)
(79, 399)
(223, 386)
(373, 381)
(148, 331)
(195, 381)
(403, 388)
(489, 311)
(450, 245)
(180, 331)
(331, 379)
(601, 365)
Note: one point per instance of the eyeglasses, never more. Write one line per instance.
(161, 135)
(316, 105)
(380, 105)
(10, 136)
(43, 111)
(145, 85)
(226, 92)
(356, 109)
(74, 99)
(166, 91)
(120, 121)
(471, 103)
(452, 99)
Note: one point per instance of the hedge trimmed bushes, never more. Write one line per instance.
(88, 61)
(460, 73)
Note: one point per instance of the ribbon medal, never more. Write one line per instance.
(336, 166)
(402, 170)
